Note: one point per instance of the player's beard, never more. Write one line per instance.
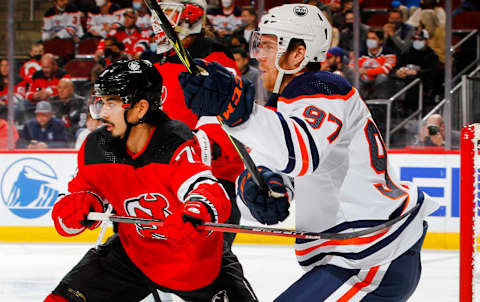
(110, 126)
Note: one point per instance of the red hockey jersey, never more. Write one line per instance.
(228, 166)
(154, 183)
(133, 39)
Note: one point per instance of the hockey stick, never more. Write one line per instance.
(187, 60)
(103, 228)
(260, 230)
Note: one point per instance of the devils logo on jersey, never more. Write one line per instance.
(148, 205)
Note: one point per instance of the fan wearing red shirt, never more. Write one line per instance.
(33, 65)
(132, 38)
(45, 81)
(145, 165)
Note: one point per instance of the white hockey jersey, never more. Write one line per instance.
(323, 135)
(62, 24)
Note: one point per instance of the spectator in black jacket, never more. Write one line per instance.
(249, 23)
(346, 33)
(398, 34)
(420, 61)
(69, 107)
(44, 131)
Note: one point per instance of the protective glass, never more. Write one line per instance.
(261, 49)
(97, 104)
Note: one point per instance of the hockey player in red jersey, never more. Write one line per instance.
(323, 135)
(144, 164)
(188, 16)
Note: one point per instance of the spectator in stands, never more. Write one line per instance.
(113, 52)
(466, 6)
(4, 128)
(338, 18)
(143, 16)
(238, 42)
(44, 131)
(82, 133)
(45, 81)
(436, 32)
(19, 90)
(225, 19)
(69, 107)
(406, 6)
(419, 61)
(134, 40)
(346, 33)
(249, 23)
(433, 5)
(337, 62)
(19, 85)
(31, 66)
(102, 19)
(432, 134)
(375, 63)
(242, 59)
(334, 6)
(62, 21)
(398, 35)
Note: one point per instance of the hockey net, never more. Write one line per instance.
(469, 214)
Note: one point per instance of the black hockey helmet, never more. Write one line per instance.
(132, 81)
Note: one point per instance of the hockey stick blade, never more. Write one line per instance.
(259, 230)
(187, 61)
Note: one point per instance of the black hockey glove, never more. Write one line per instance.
(219, 93)
(266, 209)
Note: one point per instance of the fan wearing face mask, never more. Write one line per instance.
(419, 61)
(31, 66)
(375, 63)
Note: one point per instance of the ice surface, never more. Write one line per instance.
(28, 272)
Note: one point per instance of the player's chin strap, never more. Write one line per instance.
(282, 72)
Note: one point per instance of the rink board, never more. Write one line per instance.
(30, 182)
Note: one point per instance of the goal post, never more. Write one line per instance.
(469, 218)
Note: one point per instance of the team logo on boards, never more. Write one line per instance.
(28, 187)
(300, 10)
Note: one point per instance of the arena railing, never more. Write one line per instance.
(464, 101)
(389, 102)
(471, 33)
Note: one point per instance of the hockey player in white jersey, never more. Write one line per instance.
(323, 135)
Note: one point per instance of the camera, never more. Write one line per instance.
(433, 129)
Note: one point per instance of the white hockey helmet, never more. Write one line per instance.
(186, 16)
(295, 21)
